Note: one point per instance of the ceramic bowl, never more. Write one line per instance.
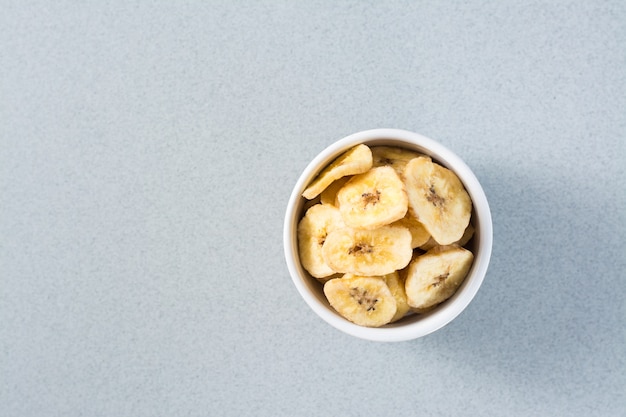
(414, 325)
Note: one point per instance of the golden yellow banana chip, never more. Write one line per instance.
(373, 199)
(313, 228)
(366, 301)
(436, 275)
(379, 251)
(393, 156)
(437, 199)
(354, 161)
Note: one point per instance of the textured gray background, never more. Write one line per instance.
(147, 152)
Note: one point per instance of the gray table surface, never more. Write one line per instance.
(147, 152)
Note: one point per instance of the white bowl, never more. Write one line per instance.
(412, 326)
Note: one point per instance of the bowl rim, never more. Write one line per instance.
(429, 323)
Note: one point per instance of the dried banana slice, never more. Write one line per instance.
(366, 301)
(318, 221)
(438, 199)
(419, 234)
(368, 252)
(396, 286)
(467, 236)
(354, 161)
(329, 195)
(393, 156)
(373, 199)
(436, 275)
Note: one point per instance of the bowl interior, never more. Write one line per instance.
(413, 325)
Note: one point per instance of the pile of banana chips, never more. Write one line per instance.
(384, 232)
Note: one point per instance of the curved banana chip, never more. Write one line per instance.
(435, 276)
(318, 221)
(354, 161)
(368, 252)
(393, 156)
(329, 195)
(373, 199)
(438, 199)
(396, 286)
(419, 234)
(468, 234)
(366, 301)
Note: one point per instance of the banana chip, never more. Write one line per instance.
(437, 199)
(368, 252)
(393, 156)
(316, 224)
(366, 301)
(355, 161)
(373, 199)
(436, 275)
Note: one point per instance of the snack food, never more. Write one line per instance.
(355, 161)
(313, 229)
(396, 286)
(393, 156)
(371, 215)
(373, 199)
(368, 252)
(435, 276)
(419, 234)
(366, 301)
(437, 198)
